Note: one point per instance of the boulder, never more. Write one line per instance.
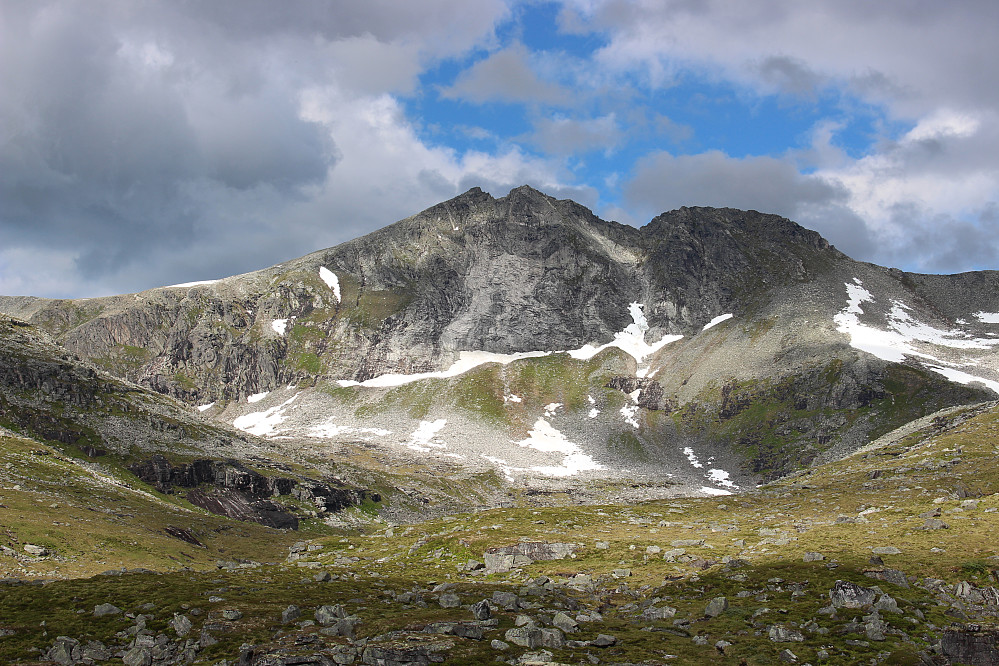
(716, 607)
(106, 609)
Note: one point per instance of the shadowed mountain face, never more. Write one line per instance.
(790, 351)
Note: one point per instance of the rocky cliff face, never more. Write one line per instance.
(772, 362)
(50, 395)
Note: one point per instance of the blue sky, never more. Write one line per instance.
(163, 142)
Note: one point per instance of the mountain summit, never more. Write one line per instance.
(525, 334)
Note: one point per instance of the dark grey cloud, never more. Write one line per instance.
(560, 135)
(158, 142)
(789, 75)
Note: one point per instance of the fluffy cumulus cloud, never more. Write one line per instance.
(159, 142)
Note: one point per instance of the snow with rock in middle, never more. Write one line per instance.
(545, 438)
(692, 457)
(423, 438)
(265, 423)
(631, 340)
(279, 326)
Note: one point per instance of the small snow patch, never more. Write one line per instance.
(714, 491)
(550, 409)
(692, 457)
(988, 317)
(717, 320)
(512, 398)
(720, 477)
(279, 326)
(594, 412)
(629, 412)
(184, 285)
(331, 280)
(205, 408)
(257, 397)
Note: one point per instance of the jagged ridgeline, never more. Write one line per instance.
(709, 349)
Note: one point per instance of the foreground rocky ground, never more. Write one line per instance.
(888, 556)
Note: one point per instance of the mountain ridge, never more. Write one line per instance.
(529, 274)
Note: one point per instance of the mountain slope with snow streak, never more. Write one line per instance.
(458, 334)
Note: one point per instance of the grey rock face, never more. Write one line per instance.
(971, 644)
(780, 633)
(504, 558)
(850, 595)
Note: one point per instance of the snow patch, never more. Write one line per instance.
(629, 412)
(550, 409)
(720, 477)
(543, 437)
(467, 360)
(279, 326)
(631, 341)
(692, 457)
(512, 398)
(714, 491)
(594, 412)
(988, 317)
(184, 285)
(256, 397)
(264, 424)
(717, 320)
(331, 280)
(895, 344)
(960, 377)
(330, 430)
(422, 438)
(205, 408)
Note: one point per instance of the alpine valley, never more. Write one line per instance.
(508, 430)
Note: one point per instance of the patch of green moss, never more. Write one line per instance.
(628, 445)
(309, 362)
(480, 391)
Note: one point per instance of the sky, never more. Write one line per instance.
(150, 143)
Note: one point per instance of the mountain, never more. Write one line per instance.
(496, 431)
(707, 350)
